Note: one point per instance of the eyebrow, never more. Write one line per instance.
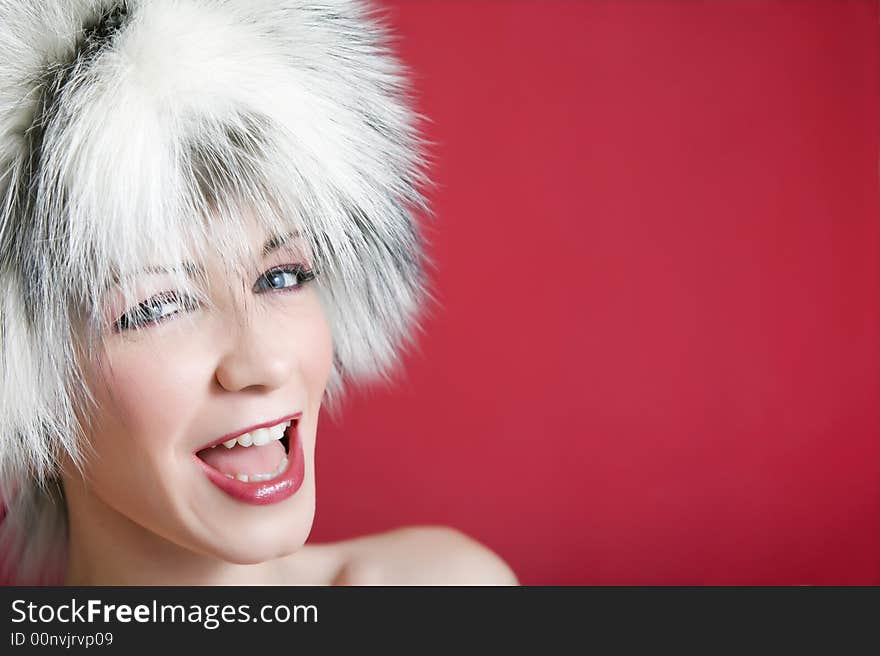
(278, 241)
(272, 244)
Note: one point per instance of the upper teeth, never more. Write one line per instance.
(257, 437)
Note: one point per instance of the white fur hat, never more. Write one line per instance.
(131, 128)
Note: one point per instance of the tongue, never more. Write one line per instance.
(245, 459)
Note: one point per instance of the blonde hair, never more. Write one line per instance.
(128, 131)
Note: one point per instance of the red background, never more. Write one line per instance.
(656, 356)
(656, 353)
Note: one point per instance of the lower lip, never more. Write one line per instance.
(262, 493)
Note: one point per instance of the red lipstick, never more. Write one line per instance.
(261, 493)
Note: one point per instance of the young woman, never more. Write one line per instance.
(206, 232)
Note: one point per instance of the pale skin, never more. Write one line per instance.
(142, 513)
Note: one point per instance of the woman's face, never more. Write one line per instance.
(169, 395)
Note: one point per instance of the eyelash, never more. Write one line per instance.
(140, 315)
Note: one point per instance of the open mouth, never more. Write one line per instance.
(255, 456)
(261, 466)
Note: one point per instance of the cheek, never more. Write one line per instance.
(144, 394)
(314, 344)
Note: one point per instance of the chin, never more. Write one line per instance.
(267, 537)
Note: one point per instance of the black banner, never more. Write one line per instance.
(549, 620)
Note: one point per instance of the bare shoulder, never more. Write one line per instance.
(422, 555)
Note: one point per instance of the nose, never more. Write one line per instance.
(258, 356)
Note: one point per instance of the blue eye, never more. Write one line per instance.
(287, 277)
(153, 310)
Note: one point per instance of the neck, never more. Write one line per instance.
(107, 548)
